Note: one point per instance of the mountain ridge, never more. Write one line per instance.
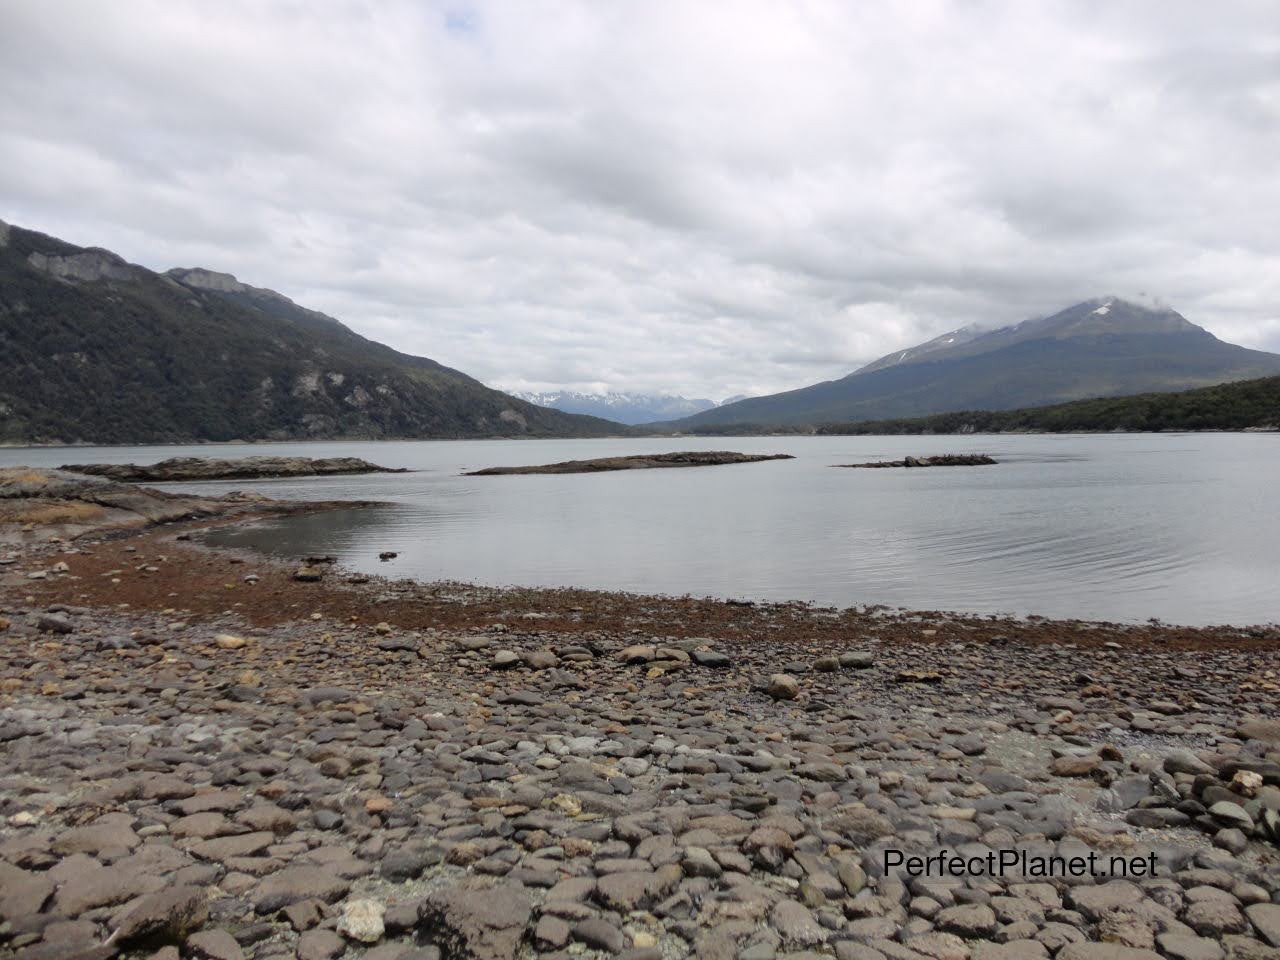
(1249, 405)
(94, 349)
(1100, 347)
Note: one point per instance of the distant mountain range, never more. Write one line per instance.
(623, 407)
(1100, 348)
(97, 350)
(1242, 405)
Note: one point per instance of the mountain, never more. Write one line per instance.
(97, 350)
(1244, 405)
(622, 407)
(1100, 348)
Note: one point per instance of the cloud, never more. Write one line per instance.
(674, 197)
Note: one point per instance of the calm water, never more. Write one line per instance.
(1180, 527)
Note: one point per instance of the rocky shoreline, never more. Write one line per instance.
(645, 461)
(53, 505)
(181, 469)
(204, 757)
(940, 460)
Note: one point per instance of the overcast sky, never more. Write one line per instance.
(706, 198)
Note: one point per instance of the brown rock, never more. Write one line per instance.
(293, 884)
(212, 800)
(1267, 731)
(164, 787)
(214, 945)
(112, 831)
(22, 892)
(1074, 766)
(224, 848)
(1104, 951)
(783, 686)
(1097, 901)
(201, 826)
(320, 945)
(303, 915)
(862, 825)
(267, 817)
(973, 921)
(551, 933)
(475, 921)
(1265, 918)
(167, 915)
(630, 890)
(101, 887)
(796, 925)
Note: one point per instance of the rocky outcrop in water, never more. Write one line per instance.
(694, 458)
(75, 504)
(942, 460)
(244, 468)
(72, 505)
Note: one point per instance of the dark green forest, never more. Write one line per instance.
(1246, 405)
(1250, 404)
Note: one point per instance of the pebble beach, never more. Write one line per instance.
(204, 755)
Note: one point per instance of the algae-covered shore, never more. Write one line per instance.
(204, 756)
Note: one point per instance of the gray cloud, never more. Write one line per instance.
(682, 197)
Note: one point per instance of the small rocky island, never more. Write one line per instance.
(646, 461)
(243, 468)
(942, 460)
(71, 505)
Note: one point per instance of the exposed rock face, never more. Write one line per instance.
(87, 266)
(513, 416)
(942, 460)
(203, 279)
(695, 458)
(177, 469)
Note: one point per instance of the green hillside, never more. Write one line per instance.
(1248, 405)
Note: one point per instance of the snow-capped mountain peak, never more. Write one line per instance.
(622, 407)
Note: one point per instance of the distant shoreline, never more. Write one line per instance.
(255, 443)
(646, 436)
